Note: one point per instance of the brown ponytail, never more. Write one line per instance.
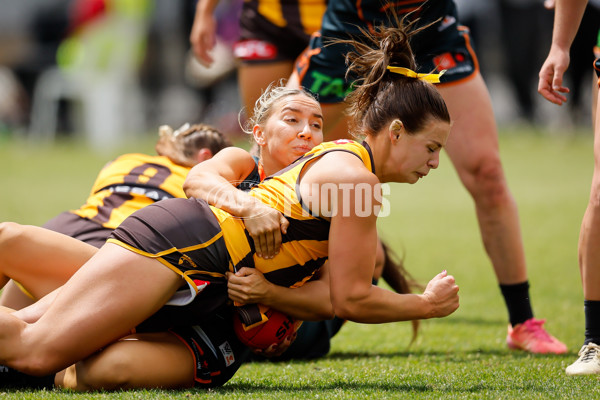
(399, 279)
(380, 95)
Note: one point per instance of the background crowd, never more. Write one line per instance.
(66, 64)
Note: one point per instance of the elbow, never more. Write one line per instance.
(326, 314)
(347, 309)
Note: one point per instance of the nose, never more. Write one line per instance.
(305, 133)
(434, 162)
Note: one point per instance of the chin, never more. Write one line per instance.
(412, 180)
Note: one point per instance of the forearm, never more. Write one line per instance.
(205, 8)
(567, 17)
(309, 302)
(219, 192)
(379, 305)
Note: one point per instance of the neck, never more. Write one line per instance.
(378, 150)
(269, 167)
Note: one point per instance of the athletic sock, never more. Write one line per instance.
(591, 309)
(517, 301)
(11, 378)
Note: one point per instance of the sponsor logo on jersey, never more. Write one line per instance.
(325, 85)
(141, 191)
(453, 63)
(225, 348)
(186, 261)
(254, 50)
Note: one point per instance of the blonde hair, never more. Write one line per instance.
(268, 99)
(181, 145)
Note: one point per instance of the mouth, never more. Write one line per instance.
(302, 149)
(420, 175)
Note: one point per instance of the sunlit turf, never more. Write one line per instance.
(433, 227)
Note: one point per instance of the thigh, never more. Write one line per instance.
(108, 296)
(473, 140)
(39, 259)
(149, 360)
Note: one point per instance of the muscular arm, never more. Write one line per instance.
(352, 245)
(567, 17)
(215, 181)
(310, 302)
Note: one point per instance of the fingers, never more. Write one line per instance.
(267, 244)
(284, 224)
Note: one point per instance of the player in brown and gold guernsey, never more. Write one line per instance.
(402, 144)
(124, 185)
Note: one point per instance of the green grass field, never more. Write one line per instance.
(433, 226)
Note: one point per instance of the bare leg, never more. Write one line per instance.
(13, 297)
(589, 238)
(40, 259)
(473, 148)
(110, 294)
(150, 360)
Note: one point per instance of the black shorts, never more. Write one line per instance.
(79, 228)
(322, 67)
(185, 236)
(216, 350)
(262, 41)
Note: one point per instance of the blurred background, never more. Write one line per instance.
(109, 71)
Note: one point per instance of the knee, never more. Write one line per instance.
(37, 364)
(9, 231)
(487, 184)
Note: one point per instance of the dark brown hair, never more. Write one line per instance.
(399, 279)
(379, 95)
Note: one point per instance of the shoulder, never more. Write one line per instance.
(341, 167)
(233, 154)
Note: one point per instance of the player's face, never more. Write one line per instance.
(294, 127)
(412, 156)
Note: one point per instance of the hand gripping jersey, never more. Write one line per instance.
(185, 236)
(201, 243)
(304, 247)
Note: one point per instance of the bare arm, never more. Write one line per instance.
(215, 181)
(310, 302)
(203, 35)
(352, 245)
(567, 17)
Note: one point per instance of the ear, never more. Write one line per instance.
(395, 129)
(259, 135)
(203, 154)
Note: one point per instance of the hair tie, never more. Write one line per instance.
(431, 78)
